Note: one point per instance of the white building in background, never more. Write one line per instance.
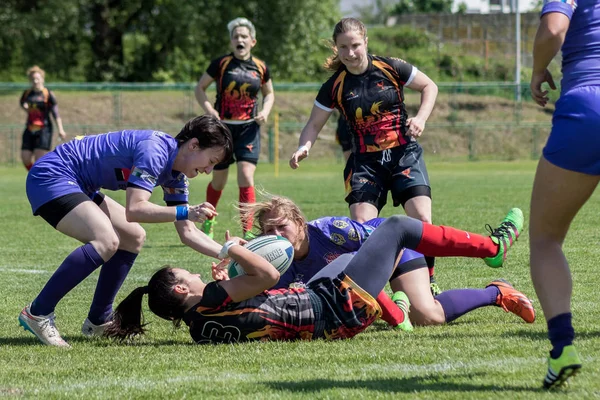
(473, 6)
(494, 6)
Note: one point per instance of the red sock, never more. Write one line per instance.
(445, 241)
(212, 195)
(430, 265)
(28, 167)
(247, 195)
(390, 311)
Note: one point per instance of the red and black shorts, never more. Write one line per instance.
(41, 139)
(342, 308)
(401, 170)
(246, 144)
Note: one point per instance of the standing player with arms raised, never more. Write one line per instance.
(239, 77)
(569, 169)
(368, 91)
(39, 102)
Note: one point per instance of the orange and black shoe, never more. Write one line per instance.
(510, 299)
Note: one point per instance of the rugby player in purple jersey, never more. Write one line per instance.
(569, 169)
(64, 188)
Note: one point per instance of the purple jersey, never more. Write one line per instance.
(110, 161)
(330, 237)
(581, 49)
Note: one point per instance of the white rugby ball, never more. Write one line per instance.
(275, 249)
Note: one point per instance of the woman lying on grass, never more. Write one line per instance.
(242, 309)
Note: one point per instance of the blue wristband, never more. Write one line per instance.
(182, 212)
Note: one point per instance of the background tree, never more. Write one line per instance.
(157, 40)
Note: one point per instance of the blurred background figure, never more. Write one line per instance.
(39, 102)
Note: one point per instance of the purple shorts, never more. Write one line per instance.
(574, 142)
(49, 179)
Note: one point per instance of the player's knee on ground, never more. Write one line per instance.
(427, 314)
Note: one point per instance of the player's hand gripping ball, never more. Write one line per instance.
(275, 249)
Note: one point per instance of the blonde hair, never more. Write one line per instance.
(35, 69)
(333, 62)
(283, 207)
(245, 22)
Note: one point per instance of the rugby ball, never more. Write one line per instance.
(275, 249)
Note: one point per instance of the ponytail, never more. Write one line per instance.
(128, 317)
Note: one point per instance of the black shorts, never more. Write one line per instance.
(55, 210)
(369, 176)
(246, 144)
(342, 308)
(41, 139)
(343, 135)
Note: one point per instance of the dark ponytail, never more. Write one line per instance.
(128, 317)
(162, 301)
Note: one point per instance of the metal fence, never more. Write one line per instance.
(470, 121)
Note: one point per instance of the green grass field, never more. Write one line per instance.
(485, 354)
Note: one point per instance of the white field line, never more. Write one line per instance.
(146, 384)
(25, 271)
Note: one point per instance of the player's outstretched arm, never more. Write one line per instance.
(318, 118)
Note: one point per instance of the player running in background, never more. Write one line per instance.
(317, 243)
(239, 78)
(569, 170)
(63, 188)
(39, 102)
(244, 309)
(368, 91)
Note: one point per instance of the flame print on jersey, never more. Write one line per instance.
(35, 118)
(258, 318)
(375, 129)
(358, 302)
(236, 101)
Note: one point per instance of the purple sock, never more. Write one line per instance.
(74, 269)
(560, 333)
(112, 275)
(460, 301)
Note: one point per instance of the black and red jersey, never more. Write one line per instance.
(238, 84)
(40, 105)
(279, 314)
(372, 102)
(344, 310)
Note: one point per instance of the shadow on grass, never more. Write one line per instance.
(412, 384)
(96, 342)
(543, 335)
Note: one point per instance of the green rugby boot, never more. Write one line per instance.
(505, 236)
(562, 368)
(208, 227)
(434, 287)
(401, 300)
